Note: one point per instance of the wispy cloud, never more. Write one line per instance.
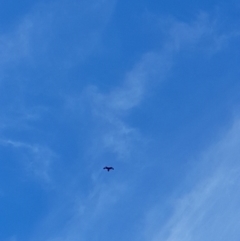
(109, 109)
(13, 238)
(34, 42)
(115, 135)
(78, 216)
(53, 32)
(74, 216)
(203, 34)
(69, 33)
(37, 32)
(210, 209)
(36, 159)
(15, 45)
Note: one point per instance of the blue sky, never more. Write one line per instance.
(149, 87)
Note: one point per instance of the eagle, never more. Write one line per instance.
(108, 168)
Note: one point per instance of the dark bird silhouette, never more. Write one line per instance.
(108, 168)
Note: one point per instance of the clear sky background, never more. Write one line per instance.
(149, 87)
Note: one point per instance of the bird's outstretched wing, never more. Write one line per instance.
(108, 168)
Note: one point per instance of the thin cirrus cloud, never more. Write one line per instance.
(14, 46)
(42, 38)
(151, 70)
(107, 109)
(35, 159)
(190, 214)
(210, 209)
(31, 43)
(81, 206)
(34, 38)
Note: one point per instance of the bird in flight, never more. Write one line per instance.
(108, 168)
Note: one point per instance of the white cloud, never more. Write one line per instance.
(76, 216)
(115, 135)
(39, 34)
(111, 133)
(13, 238)
(14, 46)
(187, 35)
(36, 41)
(70, 32)
(210, 210)
(151, 69)
(36, 159)
(204, 34)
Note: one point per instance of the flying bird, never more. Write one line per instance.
(108, 168)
